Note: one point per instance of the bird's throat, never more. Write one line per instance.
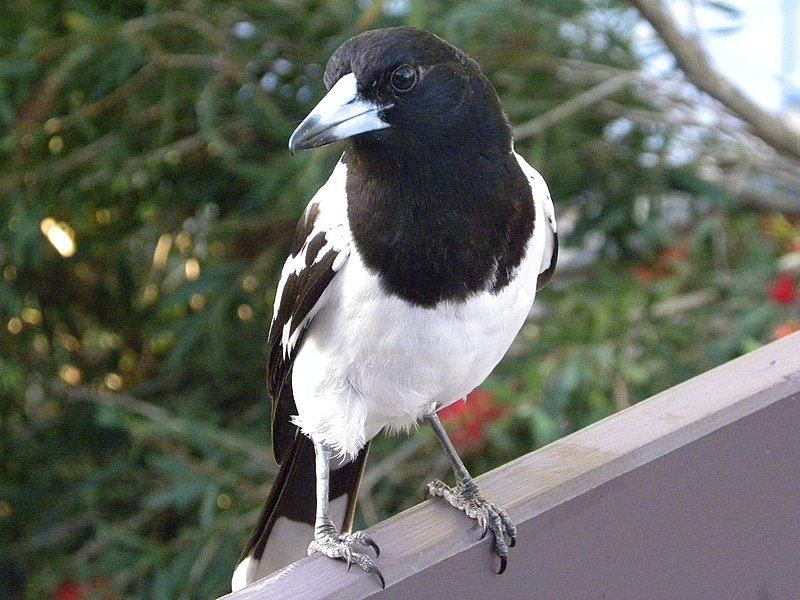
(435, 230)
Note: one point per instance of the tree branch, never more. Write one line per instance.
(574, 105)
(694, 62)
(182, 428)
(750, 196)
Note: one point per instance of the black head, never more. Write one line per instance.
(405, 91)
(436, 201)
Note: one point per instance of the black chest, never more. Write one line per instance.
(435, 235)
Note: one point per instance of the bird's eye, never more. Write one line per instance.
(404, 78)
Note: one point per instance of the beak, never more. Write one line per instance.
(341, 114)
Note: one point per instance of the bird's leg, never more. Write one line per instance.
(466, 497)
(327, 540)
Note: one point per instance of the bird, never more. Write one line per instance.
(411, 271)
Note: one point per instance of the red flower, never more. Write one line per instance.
(645, 274)
(673, 256)
(784, 290)
(667, 262)
(785, 328)
(466, 421)
(69, 589)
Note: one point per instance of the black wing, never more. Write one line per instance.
(318, 252)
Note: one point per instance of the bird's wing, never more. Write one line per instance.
(320, 249)
(542, 195)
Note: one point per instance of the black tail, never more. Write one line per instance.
(286, 525)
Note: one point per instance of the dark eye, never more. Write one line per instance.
(404, 78)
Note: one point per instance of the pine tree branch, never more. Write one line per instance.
(183, 428)
(180, 19)
(694, 62)
(574, 105)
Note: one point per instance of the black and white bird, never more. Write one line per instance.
(412, 270)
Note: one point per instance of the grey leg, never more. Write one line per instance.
(327, 539)
(323, 467)
(466, 497)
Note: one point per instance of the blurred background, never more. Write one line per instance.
(147, 200)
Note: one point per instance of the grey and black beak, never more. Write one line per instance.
(341, 114)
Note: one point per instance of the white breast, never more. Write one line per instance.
(372, 361)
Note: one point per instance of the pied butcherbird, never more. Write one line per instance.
(412, 270)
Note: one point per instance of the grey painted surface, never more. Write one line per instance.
(694, 493)
(718, 518)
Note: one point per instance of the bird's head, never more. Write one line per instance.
(404, 88)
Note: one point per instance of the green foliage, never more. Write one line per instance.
(134, 420)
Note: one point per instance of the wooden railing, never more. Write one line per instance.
(692, 494)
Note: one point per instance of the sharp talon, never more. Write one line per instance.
(503, 565)
(333, 545)
(466, 498)
(380, 578)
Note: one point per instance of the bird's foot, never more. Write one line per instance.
(334, 545)
(466, 498)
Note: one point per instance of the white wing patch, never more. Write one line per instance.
(330, 219)
(541, 195)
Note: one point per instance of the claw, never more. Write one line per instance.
(503, 565)
(380, 577)
(509, 528)
(466, 498)
(333, 545)
(485, 524)
(369, 566)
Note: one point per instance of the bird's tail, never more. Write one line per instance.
(286, 525)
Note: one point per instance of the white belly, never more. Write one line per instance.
(371, 361)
